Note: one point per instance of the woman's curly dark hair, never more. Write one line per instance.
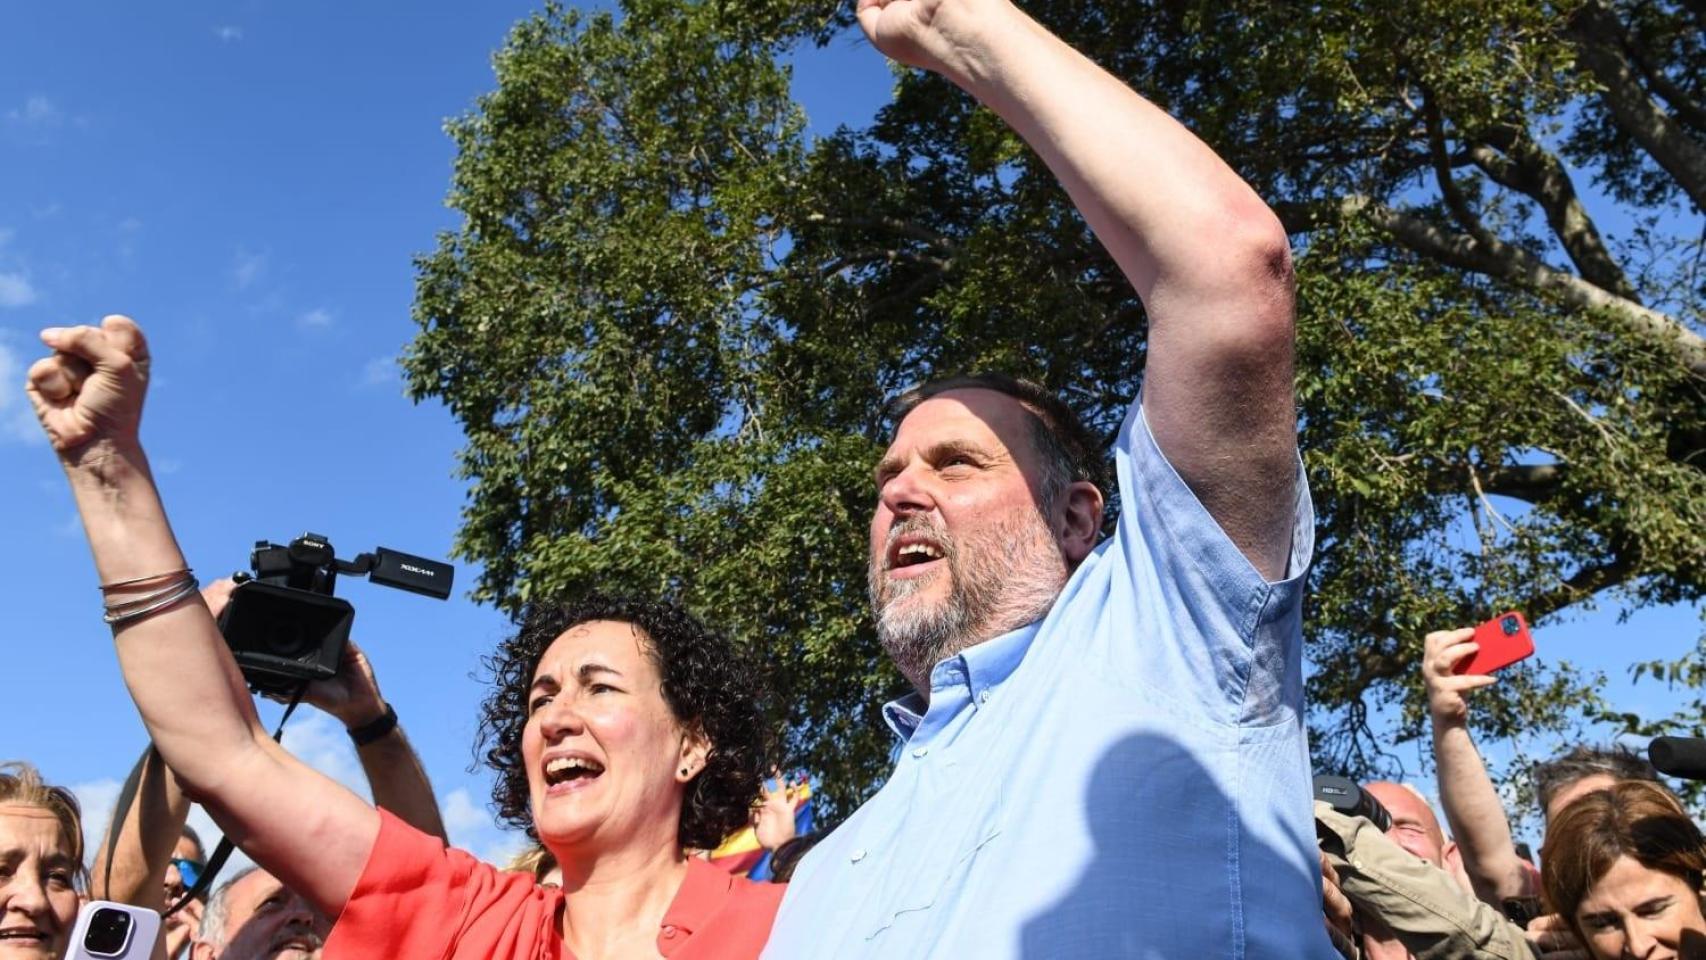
(705, 682)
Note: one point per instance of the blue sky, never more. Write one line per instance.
(250, 181)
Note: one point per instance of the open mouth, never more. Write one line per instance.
(304, 945)
(912, 551)
(23, 937)
(571, 773)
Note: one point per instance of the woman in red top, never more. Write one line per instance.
(622, 733)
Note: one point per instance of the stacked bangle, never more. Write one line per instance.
(182, 586)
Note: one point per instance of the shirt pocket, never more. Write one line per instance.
(942, 848)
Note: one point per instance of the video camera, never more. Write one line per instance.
(283, 624)
(1349, 798)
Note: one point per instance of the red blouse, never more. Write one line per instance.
(419, 900)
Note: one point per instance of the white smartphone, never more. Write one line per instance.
(113, 931)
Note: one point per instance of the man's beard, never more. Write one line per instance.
(999, 579)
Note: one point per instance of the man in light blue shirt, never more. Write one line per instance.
(1105, 753)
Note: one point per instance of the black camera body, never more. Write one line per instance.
(284, 626)
(1349, 798)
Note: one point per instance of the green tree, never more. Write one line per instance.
(669, 319)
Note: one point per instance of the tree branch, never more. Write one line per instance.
(1688, 110)
(1595, 28)
(1584, 583)
(1499, 260)
(1538, 174)
(905, 228)
(1455, 201)
(1532, 483)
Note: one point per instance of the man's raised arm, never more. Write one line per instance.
(1210, 261)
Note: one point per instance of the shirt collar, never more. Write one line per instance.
(981, 668)
(702, 893)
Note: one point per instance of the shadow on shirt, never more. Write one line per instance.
(1191, 884)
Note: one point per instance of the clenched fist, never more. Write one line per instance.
(90, 391)
(937, 35)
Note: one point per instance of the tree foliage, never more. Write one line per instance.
(669, 319)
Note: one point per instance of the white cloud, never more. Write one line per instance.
(319, 741)
(97, 798)
(472, 828)
(16, 290)
(37, 111)
(17, 420)
(381, 371)
(318, 318)
(228, 34)
(247, 267)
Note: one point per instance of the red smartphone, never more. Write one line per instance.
(1504, 640)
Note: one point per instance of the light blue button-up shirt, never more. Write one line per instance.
(1127, 778)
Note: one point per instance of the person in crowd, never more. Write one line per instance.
(1406, 898)
(1497, 873)
(41, 864)
(1104, 749)
(252, 916)
(1623, 866)
(1388, 898)
(1415, 827)
(141, 863)
(786, 857)
(621, 732)
(1585, 769)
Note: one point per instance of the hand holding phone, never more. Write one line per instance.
(113, 931)
(1503, 641)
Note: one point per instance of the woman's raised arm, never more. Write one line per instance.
(309, 831)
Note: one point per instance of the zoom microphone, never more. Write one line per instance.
(1683, 757)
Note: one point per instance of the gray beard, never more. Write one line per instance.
(1006, 578)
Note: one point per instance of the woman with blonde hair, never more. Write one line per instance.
(41, 853)
(1623, 867)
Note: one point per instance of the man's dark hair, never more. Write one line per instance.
(786, 857)
(1581, 762)
(705, 682)
(1068, 450)
(195, 838)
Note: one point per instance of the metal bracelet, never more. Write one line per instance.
(136, 580)
(143, 600)
(118, 618)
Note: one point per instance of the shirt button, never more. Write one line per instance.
(983, 696)
(920, 752)
(858, 855)
(669, 930)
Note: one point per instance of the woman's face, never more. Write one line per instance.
(1635, 911)
(38, 902)
(604, 753)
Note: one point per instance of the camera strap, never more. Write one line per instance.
(221, 853)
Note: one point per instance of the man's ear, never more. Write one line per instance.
(695, 751)
(201, 950)
(1078, 521)
(1451, 857)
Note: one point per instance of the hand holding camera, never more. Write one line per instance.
(351, 694)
